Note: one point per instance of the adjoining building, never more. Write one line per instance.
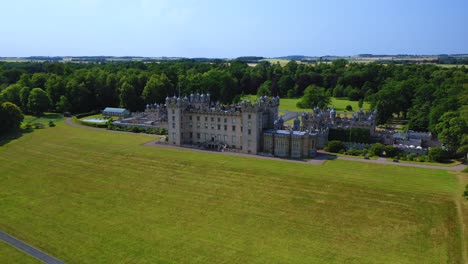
(321, 118)
(248, 127)
(118, 112)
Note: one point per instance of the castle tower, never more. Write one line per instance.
(175, 106)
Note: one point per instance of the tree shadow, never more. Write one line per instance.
(6, 138)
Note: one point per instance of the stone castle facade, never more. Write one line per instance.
(248, 127)
(252, 127)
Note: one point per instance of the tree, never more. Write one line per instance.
(451, 129)
(128, 97)
(437, 154)
(156, 89)
(349, 108)
(24, 97)
(264, 89)
(11, 94)
(314, 96)
(10, 117)
(38, 101)
(63, 105)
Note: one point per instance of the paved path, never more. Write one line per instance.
(459, 167)
(160, 145)
(28, 249)
(290, 115)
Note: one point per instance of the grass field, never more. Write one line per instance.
(338, 103)
(9, 254)
(88, 196)
(43, 119)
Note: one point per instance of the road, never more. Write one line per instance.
(28, 249)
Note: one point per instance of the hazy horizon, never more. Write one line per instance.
(214, 29)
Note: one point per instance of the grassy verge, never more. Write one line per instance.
(451, 163)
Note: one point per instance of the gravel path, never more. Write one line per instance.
(160, 145)
(459, 167)
(28, 249)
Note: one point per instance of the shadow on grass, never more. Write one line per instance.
(6, 138)
(43, 118)
(325, 156)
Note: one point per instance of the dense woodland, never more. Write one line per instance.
(419, 93)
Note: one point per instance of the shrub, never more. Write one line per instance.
(377, 149)
(437, 154)
(335, 146)
(465, 193)
(51, 124)
(349, 108)
(411, 157)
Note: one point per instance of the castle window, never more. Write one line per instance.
(212, 119)
(233, 120)
(173, 112)
(250, 116)
(190, 118)
(225, 127)
(198, 118)
(219, 127)
(206, 125)
(242, 128)
(173, 118)
(173, 125)
(219, 119)
(198, 124)
(206, 118)
(249, 124)
(249, 131)
(233, 128)
(198, 135)
(190, 135)
(225, 120)
(212, 126)
(234, 139)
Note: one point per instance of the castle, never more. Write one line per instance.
(248, 127)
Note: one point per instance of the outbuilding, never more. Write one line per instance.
(111, 111)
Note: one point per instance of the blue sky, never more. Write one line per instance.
(226, 29)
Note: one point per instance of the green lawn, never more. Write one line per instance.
(9, 254)
(87, 196)
(338, 103)
(44, 119)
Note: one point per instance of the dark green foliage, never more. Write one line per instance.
(437, 154)
(451, 129)
(349, 108)
(335, 146)
(421, 94)
(38, 101)
(10, 117)
(358, 135)
(377, 149)
(314, 96)
(465, 193)
(51, 124)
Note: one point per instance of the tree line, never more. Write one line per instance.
(419, 93)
